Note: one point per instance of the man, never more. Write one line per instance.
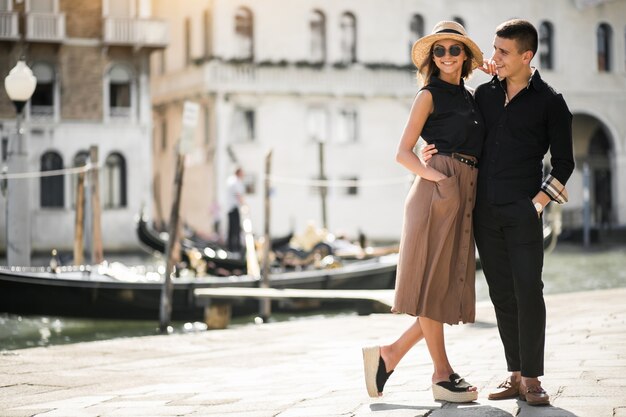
(524, 118)
(234, 201)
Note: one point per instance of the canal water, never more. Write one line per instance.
(568, 268)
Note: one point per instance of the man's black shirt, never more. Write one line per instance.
(518, 136)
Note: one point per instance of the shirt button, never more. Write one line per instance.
(468, 215)
(471, 183)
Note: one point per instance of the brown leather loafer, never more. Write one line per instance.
(506, 390)
(534, 394)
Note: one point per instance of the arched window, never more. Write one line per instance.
(51, 190)
(460, 21)
(317, 24)
(42, 101)
(348, 38)
(244, 29)
(416, 27)
(546, 42)
(114, 190)
(604, 35)
(120, 92)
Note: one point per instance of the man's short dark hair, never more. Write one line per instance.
(521, 31)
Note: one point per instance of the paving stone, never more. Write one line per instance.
(313, 367)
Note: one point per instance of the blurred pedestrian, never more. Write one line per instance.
(234, 201)
(436, 267)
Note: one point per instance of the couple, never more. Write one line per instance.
(509, 123)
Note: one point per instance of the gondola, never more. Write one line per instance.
(117, 292)
(219, 261)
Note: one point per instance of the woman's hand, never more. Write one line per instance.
(489, 67)
(427, 152)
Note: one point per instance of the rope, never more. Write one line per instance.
(51, 173)
(340, 183)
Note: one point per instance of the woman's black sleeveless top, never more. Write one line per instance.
(455, 125)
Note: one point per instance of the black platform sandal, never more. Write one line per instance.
(376, 374)
(456, 390)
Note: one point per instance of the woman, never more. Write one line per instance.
(436, 267)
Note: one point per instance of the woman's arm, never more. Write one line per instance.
(421, 109)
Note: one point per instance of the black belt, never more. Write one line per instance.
(460, 158)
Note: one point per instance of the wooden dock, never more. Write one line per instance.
(217, 311)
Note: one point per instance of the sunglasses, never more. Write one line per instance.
(439, 51)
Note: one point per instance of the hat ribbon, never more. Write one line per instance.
(449, 31)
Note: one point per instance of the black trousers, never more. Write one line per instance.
(234, 231)
(509, 238)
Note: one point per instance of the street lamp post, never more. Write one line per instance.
(20, 85)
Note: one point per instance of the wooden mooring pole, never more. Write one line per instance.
(189, 123)
(97, 254)
(167, 290)
(265, 304)
(79, 224)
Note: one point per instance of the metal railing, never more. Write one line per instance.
(138, 32)
(45, 27)
(9, 25)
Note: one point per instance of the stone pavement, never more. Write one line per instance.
(312, 367)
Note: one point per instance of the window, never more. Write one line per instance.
(348, 38)
(163, 134)
(347, 126)
(244, 34)
(42, 101)
(317, 124)
(207, 125)
(120, 92)
(417, 30)
(351, 189)
(114, 192)
(604, 35)
(318, 36)
(244, 126)
(208, 29)
(545, 45)
(460, 21)
(51, 190)
(187, 41)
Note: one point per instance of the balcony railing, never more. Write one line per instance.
(216, 76)
(45, 27)
(135, 32)
(9, 25)
(119, 113)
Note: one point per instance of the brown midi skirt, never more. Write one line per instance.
(437, 265)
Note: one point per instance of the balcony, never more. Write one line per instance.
(224, 77)
(140, 33)
(45, 27)
(9, 26)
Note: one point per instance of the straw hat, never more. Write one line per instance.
(445, 30)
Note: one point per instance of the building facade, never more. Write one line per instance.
(286, 76)
(91, 60)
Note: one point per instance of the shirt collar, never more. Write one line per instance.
(534, 81)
